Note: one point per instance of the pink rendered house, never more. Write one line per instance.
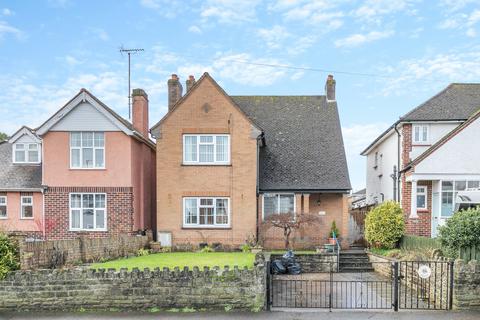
(86, 170)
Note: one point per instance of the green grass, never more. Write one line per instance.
(182, 259)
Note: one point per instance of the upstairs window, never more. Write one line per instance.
(26, 153)
(420, 134)
(87, 150)
(3, 207)
(27, 207)
(206, 149)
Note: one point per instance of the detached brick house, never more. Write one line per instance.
(86, 170)
(226, 162)
(432, 155)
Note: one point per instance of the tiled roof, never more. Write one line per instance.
(16, 176)
(303, 142)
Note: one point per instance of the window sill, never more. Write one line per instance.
(206, 164)
(419, 144)
(3, 218)
(26, 218)
(87, 169)
(423, 210)
(207, 227)
(87, 230)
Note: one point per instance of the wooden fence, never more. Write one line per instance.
(470, 253)
(409, 242)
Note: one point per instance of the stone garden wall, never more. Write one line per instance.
(314, 263)
(56, 253)
(466, 288)
(70, 290)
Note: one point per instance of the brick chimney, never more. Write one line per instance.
(330, 88)
(174, 91)
(190, 82)
(140, 112)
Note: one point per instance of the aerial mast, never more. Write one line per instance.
(129, 52)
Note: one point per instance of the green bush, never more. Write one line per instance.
(334, 230)
(206, 249)
(461, 230)
(143, 252)
(246, 248)
(384, 225)
(9, 256)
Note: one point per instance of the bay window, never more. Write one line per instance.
(88, 211)
(26, 153)
(274, 203)
(206, 149)
(87, 150)
(206, 212)
(450, 190)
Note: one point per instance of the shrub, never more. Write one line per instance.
(143, 252)
(461, 230)
(206, 249)
(334, 229)
(9, 255)
(384, 225)
(246, 248)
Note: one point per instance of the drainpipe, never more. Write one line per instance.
(398, 160)
(259, 141)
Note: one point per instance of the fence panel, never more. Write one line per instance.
(470, 253)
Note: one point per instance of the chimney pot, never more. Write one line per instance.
(330, 88)
(140, 112)
(190, 82)
(175, 90)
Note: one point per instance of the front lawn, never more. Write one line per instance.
(181, 259)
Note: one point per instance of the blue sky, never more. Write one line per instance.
(387, 56)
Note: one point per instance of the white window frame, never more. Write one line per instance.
(278, 202)
(420, 140)
(214, 225)
(22, 205)
(93, 147)
(6, 207)
(95, 229)
(215, 162)
(423, 193)
(26, 148)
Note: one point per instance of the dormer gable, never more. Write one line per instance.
(26, 147)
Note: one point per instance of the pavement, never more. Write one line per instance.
(297, 315)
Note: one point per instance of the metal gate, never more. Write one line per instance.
(397, 285)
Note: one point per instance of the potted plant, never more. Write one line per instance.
(334, 234)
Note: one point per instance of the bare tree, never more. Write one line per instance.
(289, 222)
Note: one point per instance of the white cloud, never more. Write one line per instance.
(465, 21)
(195, 29)
(315, 12)
(72, 61)
(6, 28)
(166, 8)
(471, 33)
(358, 136)
(7, 12)
(229, 11)
(273, 37)
(301, 45)
(455, 5)
(358, 39)
(373, 10)
(100, 34)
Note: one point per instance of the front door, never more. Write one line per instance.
(435, 213)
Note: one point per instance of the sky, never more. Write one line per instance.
(387, 56)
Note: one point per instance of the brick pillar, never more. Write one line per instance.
(306, 202)
(298, 202)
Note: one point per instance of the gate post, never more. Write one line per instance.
(395, 285)
(268, 286)
(450, 300)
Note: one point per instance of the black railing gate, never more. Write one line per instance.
(396, 285)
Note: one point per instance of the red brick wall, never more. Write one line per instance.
(57, 214)
(420, 226)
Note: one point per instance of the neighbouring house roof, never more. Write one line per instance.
(17, 176)
(457, 102)
(442, 141)
(304, 147)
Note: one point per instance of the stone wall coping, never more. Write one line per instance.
(388, 259)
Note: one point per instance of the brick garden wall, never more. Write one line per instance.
(57, 212)
(70, 290)
(55, 253)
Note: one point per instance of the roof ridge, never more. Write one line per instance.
(430, 99)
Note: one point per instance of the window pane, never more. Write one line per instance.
(286, 204)
(88, 200)
(3, 211)
(206, 202)
(447, 185)
(75, 158)
(99, 161)
(421, 201)
(19, 156)
(76, 201)
(460, 185)
(191, 211)
(87, 139)
(447, 204)
(32, 146)
(32, 156)
(3, 200)
(88, 219)
(26, 200)
(27, 211)
(75, 219)
(100, 219)
(87, 158)
(206, 216)
(99, 201)
(206, 153)
(270, 205)
(222, 148)
(190, 148)
(473, 184)
(222, 211)
(75, 139)
(99, 139)
(424, 133)
(20, 146)
(417, 134)
(206, 139)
